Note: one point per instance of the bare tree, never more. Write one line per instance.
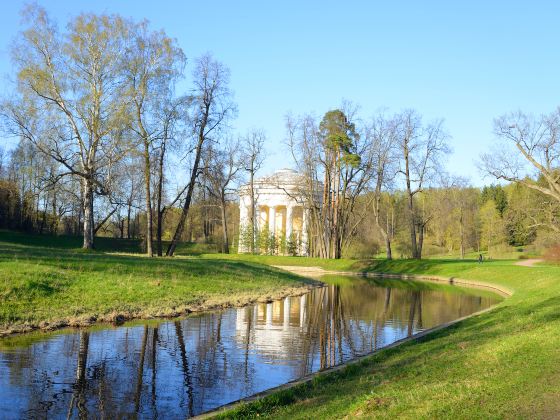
(221, 171)
(153, 63)
(211, 107)
(70, 104)
(126, 193)
(171, 122)
(253, 158)
(336, 165)
(461, 200)
(382, 138)
(421, 149)
(528, 152)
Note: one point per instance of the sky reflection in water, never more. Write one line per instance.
(176, 369)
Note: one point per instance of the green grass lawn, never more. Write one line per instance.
(500, 364)
(49, 279)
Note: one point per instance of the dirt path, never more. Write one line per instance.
(312, 272)
(529, 263)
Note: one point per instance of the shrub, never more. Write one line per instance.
(245, 239)
(552, 254)
(361, 250)
(546, 240)
(267, 243)
(293, 245)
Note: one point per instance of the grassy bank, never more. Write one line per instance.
(49, 282)
(503, 363)
(500, 364)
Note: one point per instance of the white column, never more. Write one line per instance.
(302, 301)
(268, 322)
(286, 322)
(289, 217)
(304, 232)
(243, 211)
(240, 319)
(272, 220)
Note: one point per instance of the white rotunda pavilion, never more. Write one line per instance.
(278, 207)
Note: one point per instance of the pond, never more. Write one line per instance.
(181, 368)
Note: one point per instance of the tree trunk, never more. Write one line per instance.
(206, 229)
(87, 186)
(252, 213)
(388, 236)
(159, 210)
(44, 218)
(77, 227)
(461, 228)
(327, 217)
(388, 248)
(149, 218)
(421, 227)
(376, 209)
(55, 223)
(413, 245)
(128, 221)
(187, 205)
(336, 202)
(35, 214)
(224, 228)
(159, 233)
(410, 194)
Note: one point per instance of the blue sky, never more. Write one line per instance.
(464, 62)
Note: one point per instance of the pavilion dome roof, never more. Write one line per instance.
(281, 180)
(284, 176)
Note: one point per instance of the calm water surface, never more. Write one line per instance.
(177, 369)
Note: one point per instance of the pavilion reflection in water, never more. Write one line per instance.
(185, 367)
(318, 330)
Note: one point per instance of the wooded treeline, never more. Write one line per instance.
(115, 140)
(378, 184)
(109, 137)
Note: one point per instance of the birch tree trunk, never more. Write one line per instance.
(87, 186)
(224, 227)
(149, 215)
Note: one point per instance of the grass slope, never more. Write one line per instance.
(500, 364)
(503, 363)
(47, 279)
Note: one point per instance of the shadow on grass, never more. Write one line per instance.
(69, 242)
(102, 244)
(44, 272)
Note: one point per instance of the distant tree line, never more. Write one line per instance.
(379, 184)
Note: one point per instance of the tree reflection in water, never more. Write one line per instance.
(184, 367)
(78, 396)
